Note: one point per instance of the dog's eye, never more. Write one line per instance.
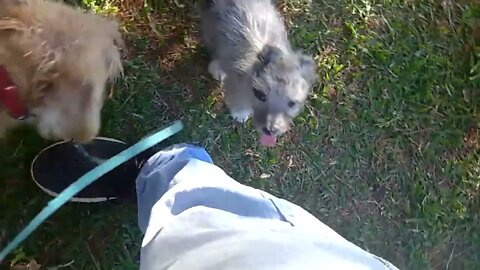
(260, 95)
(291, 104)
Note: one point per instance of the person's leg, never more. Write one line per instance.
(183, 176)
(155, 176)
(183, 198)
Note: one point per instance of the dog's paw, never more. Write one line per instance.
(216, 71)
(241, 116)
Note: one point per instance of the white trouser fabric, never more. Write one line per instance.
(195, 216)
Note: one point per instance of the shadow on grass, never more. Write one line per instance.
(170, 34)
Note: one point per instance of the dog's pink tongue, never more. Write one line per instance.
(268, 140)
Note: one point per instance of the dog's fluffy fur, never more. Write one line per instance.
(251, 55)
(61, 60)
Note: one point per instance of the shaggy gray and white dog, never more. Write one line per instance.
(252, 56)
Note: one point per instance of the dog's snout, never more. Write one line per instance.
(271, 131)
(277, 124)
(267, 131)
(84, 137)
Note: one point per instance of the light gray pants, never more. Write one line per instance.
(194, 216)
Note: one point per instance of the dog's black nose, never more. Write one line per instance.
(266, 131)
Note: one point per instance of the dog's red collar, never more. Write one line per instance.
(10, 97)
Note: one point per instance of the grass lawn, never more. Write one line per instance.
(386, 152)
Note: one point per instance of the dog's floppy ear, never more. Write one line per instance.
(268, 54)
(265, 57)
(42, 53)
(308, 68)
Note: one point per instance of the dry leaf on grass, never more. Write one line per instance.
(32, 265)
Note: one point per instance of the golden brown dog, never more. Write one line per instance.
(58, 61)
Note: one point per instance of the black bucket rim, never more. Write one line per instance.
(73, 199)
